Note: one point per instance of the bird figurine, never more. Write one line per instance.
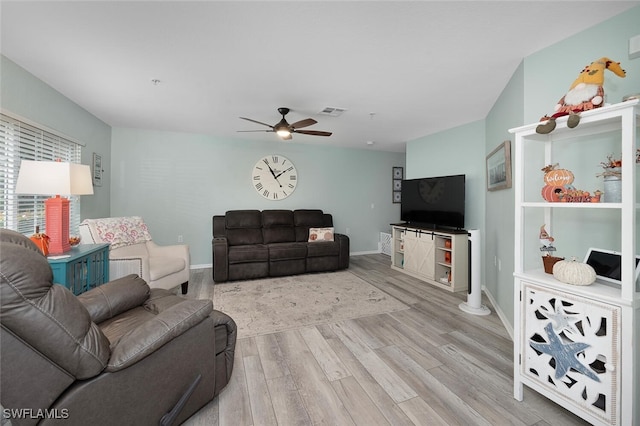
(546, 240)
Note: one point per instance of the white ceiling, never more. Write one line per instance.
(402, 69)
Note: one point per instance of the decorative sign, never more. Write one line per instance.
(558, 177)
(559, 189)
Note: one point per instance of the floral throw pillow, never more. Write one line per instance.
(121, 231)
(320, 234)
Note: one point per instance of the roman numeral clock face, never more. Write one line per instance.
(274, 177)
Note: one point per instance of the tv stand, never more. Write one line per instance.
(438, 257)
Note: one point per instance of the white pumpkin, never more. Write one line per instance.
(574, 272)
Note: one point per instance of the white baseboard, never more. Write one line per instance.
(501, 314)
(360, 253)
(203, 266)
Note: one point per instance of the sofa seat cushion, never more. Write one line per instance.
(323, 248)
(248, 253)
(161, 266)
(287, 251)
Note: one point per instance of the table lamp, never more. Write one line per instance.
(55, 178)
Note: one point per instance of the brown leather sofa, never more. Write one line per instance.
(250, 244)
(121, 353)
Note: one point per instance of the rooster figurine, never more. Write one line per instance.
(585, 93)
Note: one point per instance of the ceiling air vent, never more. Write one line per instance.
(332, 111)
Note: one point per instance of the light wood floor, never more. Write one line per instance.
(429, 365)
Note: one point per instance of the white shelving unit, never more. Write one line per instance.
(437, 257)
(578, 345)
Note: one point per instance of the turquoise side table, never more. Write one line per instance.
(84, 267)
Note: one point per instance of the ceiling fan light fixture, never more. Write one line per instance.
(282, 128)
(285, 130)
(283, 133)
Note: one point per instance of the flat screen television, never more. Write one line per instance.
(434, 202)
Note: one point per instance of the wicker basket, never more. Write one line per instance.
(548, 262)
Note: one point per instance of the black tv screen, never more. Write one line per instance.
(434, 202)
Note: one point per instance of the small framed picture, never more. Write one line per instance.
(397, 173)
(397, 196)
(397, 184)
(97, 169)
(499, 167)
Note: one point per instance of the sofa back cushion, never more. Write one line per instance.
(305, 219)
(243, 227)
(277, 226)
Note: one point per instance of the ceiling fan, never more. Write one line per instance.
(285, 130)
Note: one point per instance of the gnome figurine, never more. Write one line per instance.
(585, 93)
(546, 240)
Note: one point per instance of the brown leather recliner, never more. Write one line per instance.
(118, 354)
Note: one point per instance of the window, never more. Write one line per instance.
(20, 140)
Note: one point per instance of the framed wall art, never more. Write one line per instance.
(96, 168)
(397, 174)
(499, 167)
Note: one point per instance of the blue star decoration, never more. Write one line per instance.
(564, 354)
(563, 320)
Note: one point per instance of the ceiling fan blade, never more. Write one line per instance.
(258, 122)
(303, 123)
(313, 132)
(244, 131)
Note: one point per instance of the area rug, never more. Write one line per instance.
(276, 304)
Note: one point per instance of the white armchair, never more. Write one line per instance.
(132, 251)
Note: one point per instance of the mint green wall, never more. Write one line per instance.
(23, 94)
(498, 239)
(177, 181)
(455, 151)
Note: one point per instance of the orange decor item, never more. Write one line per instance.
(57, 221)
(42, 241)
(577, 196)
(551, 193)
(447, 244)
(558, 177)
(447, 257)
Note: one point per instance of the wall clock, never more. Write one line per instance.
(274, 177)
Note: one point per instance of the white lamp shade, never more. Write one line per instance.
(53, 178)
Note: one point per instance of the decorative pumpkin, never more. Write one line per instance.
(574, 272)
(41, 240)
(552, 193)
(558, 177)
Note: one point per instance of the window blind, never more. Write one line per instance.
(18, 141)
